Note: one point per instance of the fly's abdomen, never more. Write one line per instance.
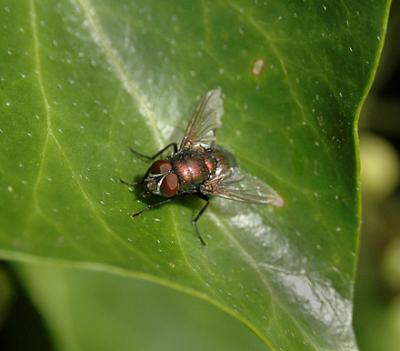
(224, 160)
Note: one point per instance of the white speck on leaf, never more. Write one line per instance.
(258, 67)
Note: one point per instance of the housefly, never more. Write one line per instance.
(199, 166)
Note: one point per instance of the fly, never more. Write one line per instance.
(199, 166)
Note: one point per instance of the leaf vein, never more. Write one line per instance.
(50, 133)
(116, 63)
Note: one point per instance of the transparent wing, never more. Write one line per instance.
(240, 186)
(205, 119)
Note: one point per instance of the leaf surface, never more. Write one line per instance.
(97, 311)
(83, 80)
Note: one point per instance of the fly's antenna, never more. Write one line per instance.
(132, 184)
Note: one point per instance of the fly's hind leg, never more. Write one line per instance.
(196, 219)
(174, 145)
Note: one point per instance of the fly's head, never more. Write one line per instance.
(161, 180)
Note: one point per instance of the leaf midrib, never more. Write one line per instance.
(115, 62)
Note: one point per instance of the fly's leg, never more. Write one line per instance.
(174, 145)
(195, 220)
(150, 207)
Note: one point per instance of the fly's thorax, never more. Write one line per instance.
(161, 179)
(191, 168)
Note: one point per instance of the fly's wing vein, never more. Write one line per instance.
(205, 120)
(240, 186)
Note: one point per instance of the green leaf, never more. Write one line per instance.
(97, 311)
(83, 80)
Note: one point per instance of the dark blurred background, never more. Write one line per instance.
(377, 291)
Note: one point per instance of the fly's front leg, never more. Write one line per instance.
(174, 145)
(150, 207)
(195, 220)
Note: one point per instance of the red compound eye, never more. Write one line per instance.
(160, 167)
(169, 185)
